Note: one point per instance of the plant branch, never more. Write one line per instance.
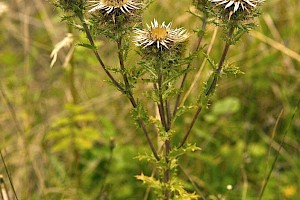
(190, 127)
(122, 65)
(220, 65)
(167, 174)
(90, 38)
(211, 86)
(125, 90)
(177, 103)
(160, 107)
(8, 175)
(168, 111)
(129, 94)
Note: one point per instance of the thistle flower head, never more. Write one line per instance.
(160, 35)
(235, 5)
(108, 6)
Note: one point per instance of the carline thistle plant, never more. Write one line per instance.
(165, 65)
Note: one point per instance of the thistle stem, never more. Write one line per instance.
(218, 71)
(90, 38)
(125, 90)
(211, 86)
(129, 94)
(190, 127)
(167, 174)
(178, 99)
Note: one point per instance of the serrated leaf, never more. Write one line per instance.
(232, 69)
(150, 181)
(169, 92)
(211, 62)
(177, 188)
(183, 109)
(146, 157)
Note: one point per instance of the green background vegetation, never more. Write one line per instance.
(57, 149)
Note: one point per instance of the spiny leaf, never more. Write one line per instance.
(86, 45)
(177, 152)
(150, 181)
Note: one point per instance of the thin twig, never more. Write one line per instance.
(190, 127)
(12, 111)
(122, 66)
(90, 38)
(191, 180)
(142, 124)
(220, 65)
(270, 146)
(18, 125)
(8, 175)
